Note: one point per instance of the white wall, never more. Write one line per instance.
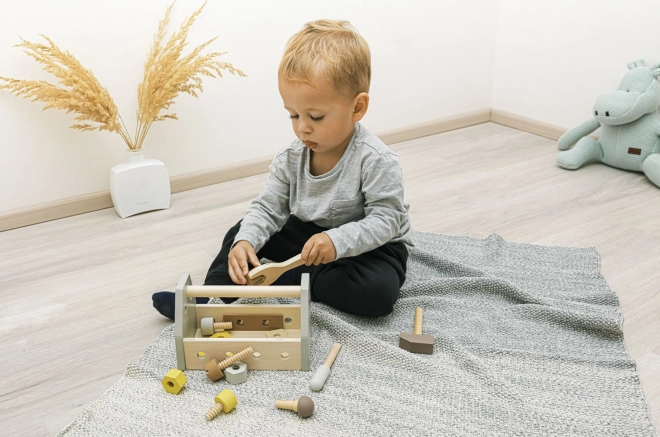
(430, 60)
(554, 58)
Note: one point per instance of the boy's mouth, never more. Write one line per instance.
(310, 144)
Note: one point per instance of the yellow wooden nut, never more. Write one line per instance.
(221, 334)
(227, 399)
(174, 381)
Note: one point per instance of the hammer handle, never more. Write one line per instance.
(419, 314)
(332, 355)
(287, 405)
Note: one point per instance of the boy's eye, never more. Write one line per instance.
(293, 117)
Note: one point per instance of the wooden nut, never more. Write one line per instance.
(221, 334)
(174, 381)
(213, 371)
(236, 373)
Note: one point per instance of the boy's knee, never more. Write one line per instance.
(355, 294)
(383, 295)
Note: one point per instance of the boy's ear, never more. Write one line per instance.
(361, 106)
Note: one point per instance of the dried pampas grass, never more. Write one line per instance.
(81, 93)
(167, 73)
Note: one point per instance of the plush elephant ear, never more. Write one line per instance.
(655, 69)
(635, 64)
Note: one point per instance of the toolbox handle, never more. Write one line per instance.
(242, 291)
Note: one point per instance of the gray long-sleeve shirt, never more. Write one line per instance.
(360, 199)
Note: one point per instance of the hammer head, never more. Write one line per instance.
(416, 343)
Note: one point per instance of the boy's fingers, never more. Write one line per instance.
(313, 255)
(232, 275)
(238, 272)
(304, 255)
(244, 266)
(254, 259)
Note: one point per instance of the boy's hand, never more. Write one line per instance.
(318, 250)
(239, 256)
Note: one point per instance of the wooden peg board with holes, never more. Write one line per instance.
(271, 352)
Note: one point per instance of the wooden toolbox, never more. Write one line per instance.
(285, 349)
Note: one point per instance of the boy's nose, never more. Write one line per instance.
(304, 128)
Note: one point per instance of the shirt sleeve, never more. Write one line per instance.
(268, 213)
(384, 209)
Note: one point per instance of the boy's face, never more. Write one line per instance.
(322, 118)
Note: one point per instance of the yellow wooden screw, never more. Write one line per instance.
(225, 402)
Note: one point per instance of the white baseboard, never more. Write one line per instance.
(101, 200)
(526, 124)
(435, 126)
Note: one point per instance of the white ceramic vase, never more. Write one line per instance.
(139, 185)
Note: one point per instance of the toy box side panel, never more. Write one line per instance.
(185, 319)
(272, 353)
(305, 321)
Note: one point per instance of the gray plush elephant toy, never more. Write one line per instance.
(630, 136)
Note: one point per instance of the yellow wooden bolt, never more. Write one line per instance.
(225, 402)
(174, 381)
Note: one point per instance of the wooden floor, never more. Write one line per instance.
(75, 305)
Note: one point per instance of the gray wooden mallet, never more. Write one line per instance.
(417, 343)
(303, 406)
(323, 371)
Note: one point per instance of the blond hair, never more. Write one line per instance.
(331, 48)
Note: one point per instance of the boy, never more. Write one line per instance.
(334, 195)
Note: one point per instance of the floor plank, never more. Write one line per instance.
(76, 300)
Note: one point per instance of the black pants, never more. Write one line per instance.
(367, 284)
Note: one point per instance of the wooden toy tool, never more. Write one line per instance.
(266, 274)
(174, 381)
(303, 406)
(225, 401)
(214, 370)
(208, 326)
(251, 326)
(417, 343)
(324, 371)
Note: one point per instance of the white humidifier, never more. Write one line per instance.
(139, 185)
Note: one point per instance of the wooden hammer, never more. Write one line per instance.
(417, 343)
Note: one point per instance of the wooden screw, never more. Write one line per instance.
(208, 326)
(214, 370)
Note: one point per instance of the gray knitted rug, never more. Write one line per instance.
(528, 342)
